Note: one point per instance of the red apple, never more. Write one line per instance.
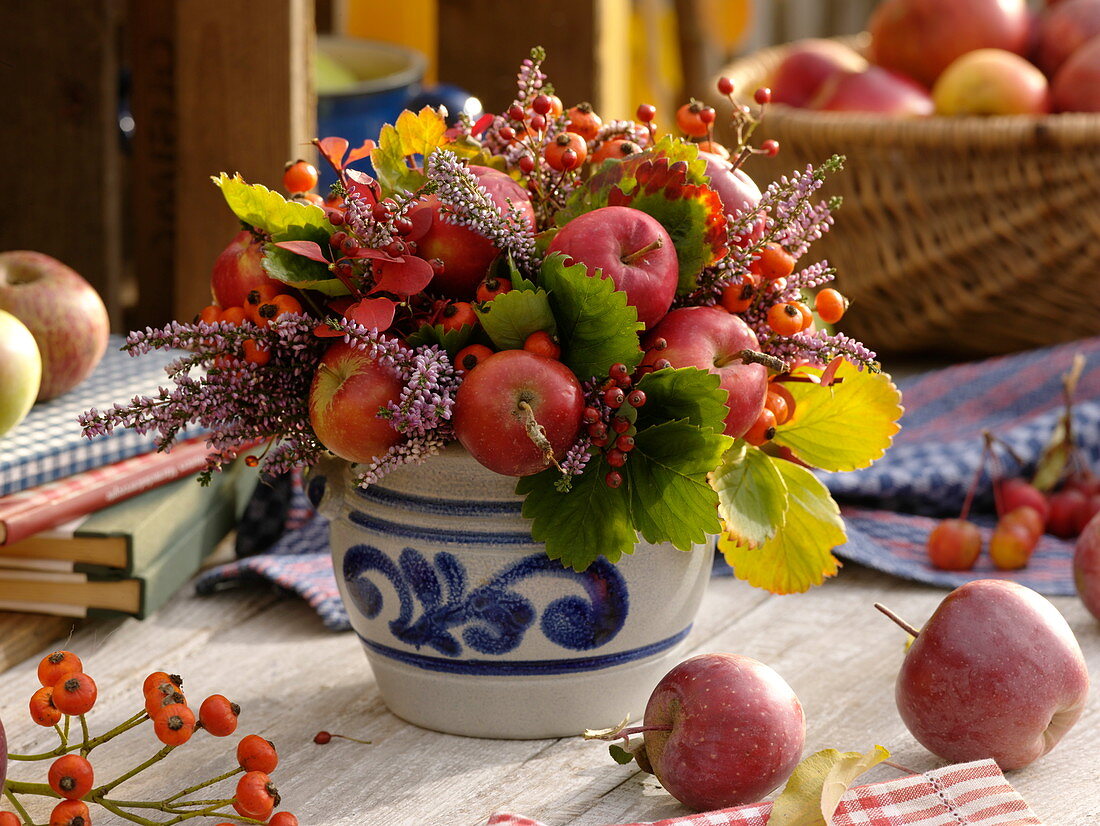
(64, 313)
(991, 82)
(1063, 30)
(20, 372)
(808, 64)
(995, 673)
(1013, 493)
(735, 731)
(465, 254)
(490, 415)
(347, 393)
(239, 269)
(1086, 566)
(710, 339)
(629, 247)
(737, 191)
(1076, 87)
(873, 90)
(921, 38)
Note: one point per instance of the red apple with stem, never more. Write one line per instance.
(712, 339)
(737, 191)
(239, 269)
(632, 249)
(722, 730)
(995, 673)
(348, 391)
(64, 313)
(506, 400)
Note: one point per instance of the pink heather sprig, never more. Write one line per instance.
(467, 203)
(792, 218)
(411, 451)
(820, 348)
(574, 462)
(530, 80)
(815, 275)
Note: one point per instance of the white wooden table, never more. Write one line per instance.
(293, 678)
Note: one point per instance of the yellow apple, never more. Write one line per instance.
(991, 82)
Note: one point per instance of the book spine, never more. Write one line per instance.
(132, 477)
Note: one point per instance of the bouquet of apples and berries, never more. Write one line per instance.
(615, 316)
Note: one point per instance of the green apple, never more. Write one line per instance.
(20, 371)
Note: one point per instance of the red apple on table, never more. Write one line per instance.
(1086, 566)
(20, 373)
(500, 395)
(995, 673)
(629, 247)
(466, 254)
(64, 313)
(1063, 30)
(710, 339)
(239, 269)
(921, 38)
(347, 393)
(737, 191)
(735, 731)
(1076, 87)
(991, 82)
(873, 90)
(807, 65)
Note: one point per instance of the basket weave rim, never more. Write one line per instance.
(1064, 129)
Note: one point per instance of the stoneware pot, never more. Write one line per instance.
(471, 629)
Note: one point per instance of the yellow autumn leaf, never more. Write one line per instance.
(817, 784)
(845, 426)
(421, 132)
(752, 496)
(800, 554)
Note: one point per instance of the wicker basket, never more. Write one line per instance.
(966, 236)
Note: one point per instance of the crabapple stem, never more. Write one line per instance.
(756, 357)
(655, 244)
(987, 441)
(537, 434)
(906, 627)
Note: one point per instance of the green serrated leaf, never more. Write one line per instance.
(590, 520)
(389, 163)
(620, 755)
(260, 207)
(800, 554)
(596, 326)
(843, 426)
(670, 498)
(752, 495)
(300, 272)
(683, 393)
(512, 316)
(817, 784)
(450, 340)
(504, 266)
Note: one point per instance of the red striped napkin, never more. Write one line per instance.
(974, 794)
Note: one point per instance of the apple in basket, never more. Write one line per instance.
(1063, 30)
(1076, 87)
(808, 64)
(995, 673)
(64, 313)
(873, 90)
(991, 82)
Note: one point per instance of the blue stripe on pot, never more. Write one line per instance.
(521, 668)
(440, 536)
(440, 507)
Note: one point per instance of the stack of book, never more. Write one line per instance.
(106, 524)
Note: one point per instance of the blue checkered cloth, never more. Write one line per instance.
(48, 444)
(889, 508)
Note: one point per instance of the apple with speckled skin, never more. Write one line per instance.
(737, 191)
(64, 313)
(995, 673)
(1086, 566)
(239, 269)
(722, 730)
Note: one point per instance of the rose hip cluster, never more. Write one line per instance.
(68, 692)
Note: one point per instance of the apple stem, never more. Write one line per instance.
(906, 627)
(755, 357)
(899, 767)
(655, 244)
(537, 434)
(620, 733)
(742, 156)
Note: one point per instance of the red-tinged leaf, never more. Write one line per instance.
(333, 150)
(306, 249)
(828, 375)
(376, 255)
(341, 304)
(421, 223)
(372, 313)
(482, 124)
(362, 152)
(326, 330)
(406, 277)
(362, 184)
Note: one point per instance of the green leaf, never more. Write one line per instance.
(596, 326)
(817, 784)
(752, 495)
(844, 426)
(389, 163)
(620, 755)
(683, 393)
(800, 554)
(300, 272)
(512, 316)
(590, 520)
(670, 498)
(259, 207)
(450, 340)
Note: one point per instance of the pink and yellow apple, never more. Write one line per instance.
(64, 313)
(873, 90)
(239, 269)
(20, 371)
(737, 191)
(991, 82)
(348, 391)
(807, 65)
